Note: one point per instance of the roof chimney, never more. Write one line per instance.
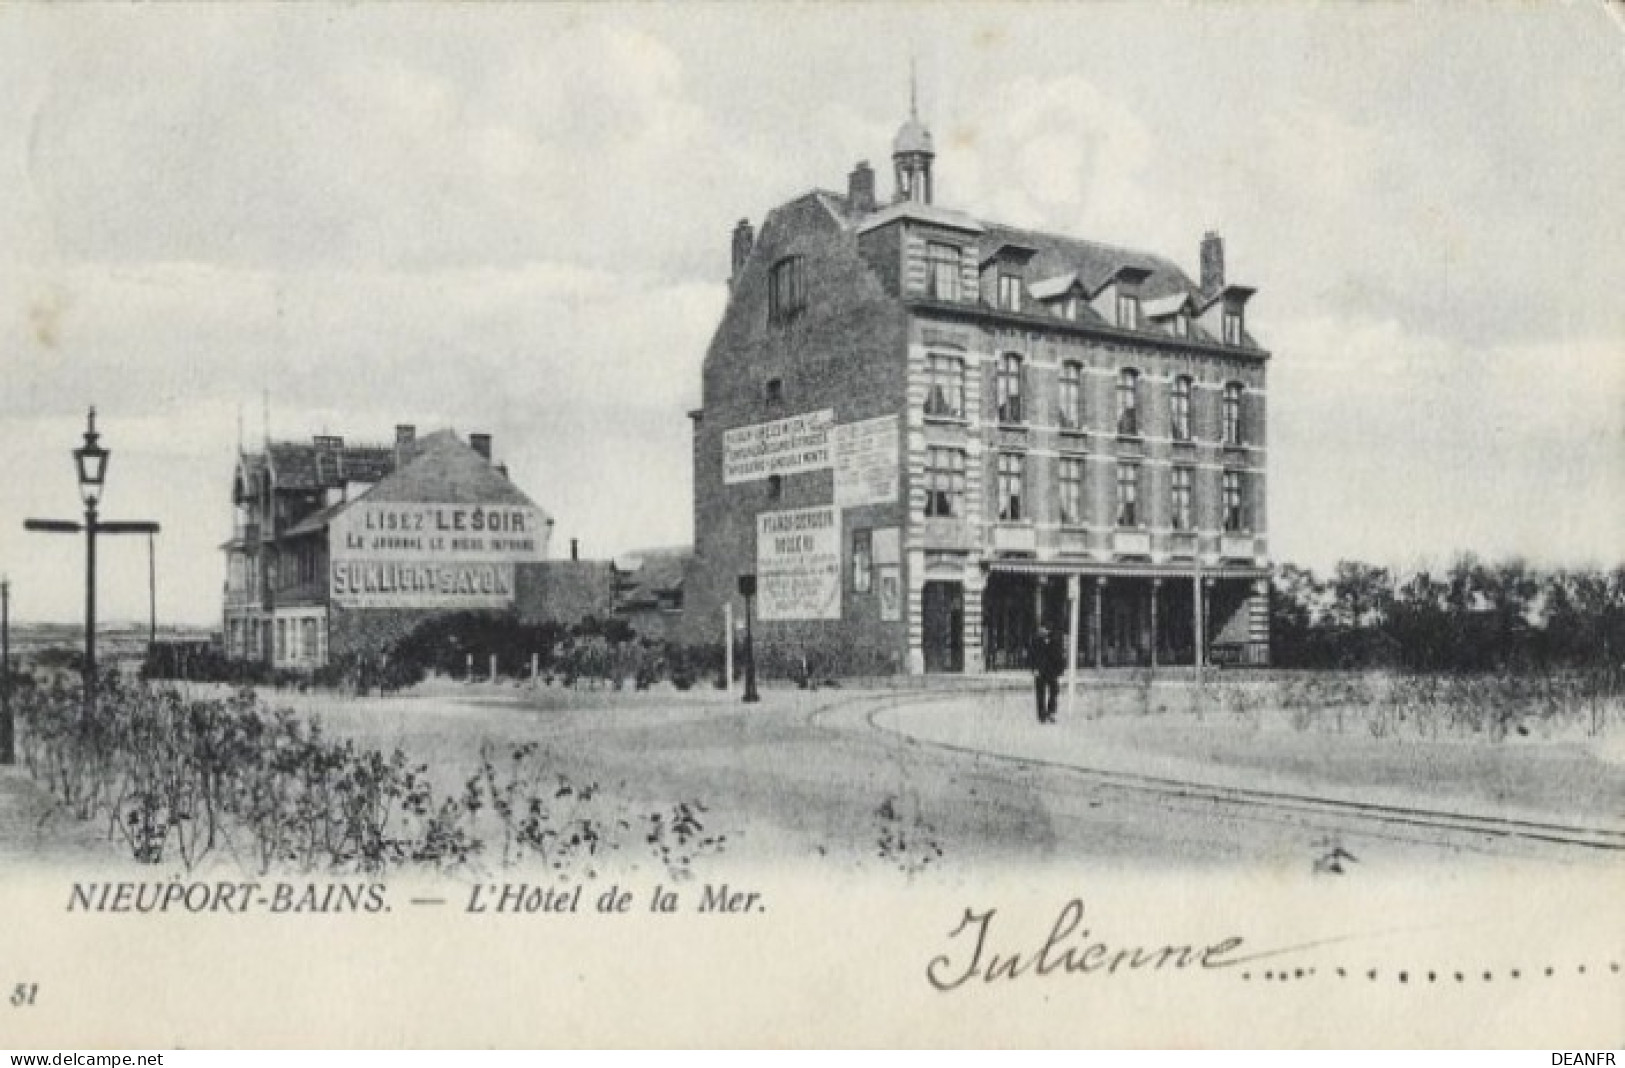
(744, 238)
(405, 433)
(860, 187)
(575, 549)
(481, 443)
(1212, 263)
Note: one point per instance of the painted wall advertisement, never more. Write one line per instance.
(798, 564)
(866, 462)
(782, 447)
(425, 555)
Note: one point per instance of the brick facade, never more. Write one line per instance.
(892, 296)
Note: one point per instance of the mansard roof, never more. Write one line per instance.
(308, 465)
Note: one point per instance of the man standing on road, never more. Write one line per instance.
(1046, 658)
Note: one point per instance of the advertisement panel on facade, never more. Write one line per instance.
(866, 462)
(786, 446)
(798, 564)
(427, 555)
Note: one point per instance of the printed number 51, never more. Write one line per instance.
(23, 995)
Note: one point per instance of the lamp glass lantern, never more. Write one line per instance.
(91, 460)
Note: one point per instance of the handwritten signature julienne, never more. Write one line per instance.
(1070, 951)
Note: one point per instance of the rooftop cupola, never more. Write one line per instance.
(912, 154)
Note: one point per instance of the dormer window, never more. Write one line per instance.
(1181, 325)
(774, 391)
(787, 291)
(1067, 307)
(1128, 312)
(1010, 292)
(1232, 327)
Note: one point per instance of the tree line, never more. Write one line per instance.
(1473, 615)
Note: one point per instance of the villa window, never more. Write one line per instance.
(945, 482)
(945, 388)
(1010, 292)
(943, 266)
(1071, 490)
(787, 291)
(1012, 484)
(1232, 413)
(1008, 388)
(1183, 512)
(1181, 403)
(1235, 512)
(1071, 413)
(862, 560)
(1128, 495)
(1128, 402)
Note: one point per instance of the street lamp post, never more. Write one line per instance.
(90, 463)
(747, 590)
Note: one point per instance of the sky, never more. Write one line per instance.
(514, 219)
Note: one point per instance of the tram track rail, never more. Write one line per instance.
(1271, 802)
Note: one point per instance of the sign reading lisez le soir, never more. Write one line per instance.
(426, 555)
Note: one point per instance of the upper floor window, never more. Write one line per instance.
(1128, 495)
(1071, 470)
(1180, 401)
(1010, 292)
(1235, 509)
(1067, 306)
(943, 266)
(862, 560)
(1182, 498)
(1071, 413)
(1007, 388)
(1128, 401)
(1232, 328)
(1128, 312)
(1232, 413)
(787, 290)
(1012, 483)
(945, 482)
(945, 386)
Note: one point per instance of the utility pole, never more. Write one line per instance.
(8, 729)
(747, 590)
